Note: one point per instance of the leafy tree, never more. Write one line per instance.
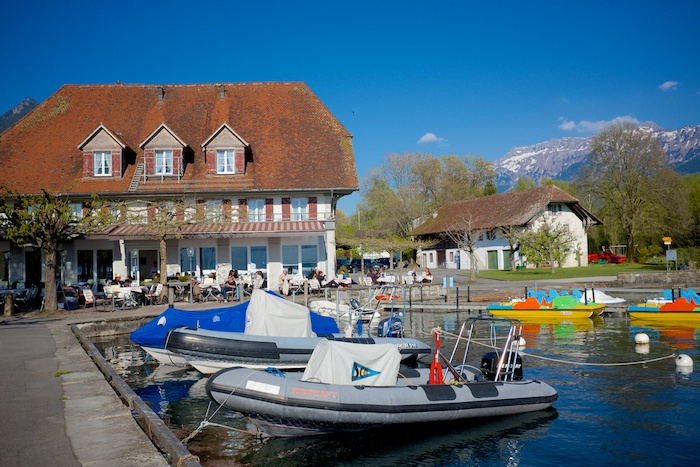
(621, 174)
(164, 219)
(524, 183)
(45, 221)
(548, 242)
(464, 236)
(511, 233)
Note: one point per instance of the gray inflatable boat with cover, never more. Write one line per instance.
(353, 387)
(277, 333)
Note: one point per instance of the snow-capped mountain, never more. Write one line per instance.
(19, 111)
(560, 159)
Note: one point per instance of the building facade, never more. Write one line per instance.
(251, 172)
(490, 220)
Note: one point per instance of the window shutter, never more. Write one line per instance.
(286, 208)
(88, 164)
(116, 163)
(242, 210)
(177, 162)
(210, 159)
(313, 208)
(226, 206)
(239, 160)
(269, 210)
(149, 159)
(200, 209)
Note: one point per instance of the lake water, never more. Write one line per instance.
(642, 415)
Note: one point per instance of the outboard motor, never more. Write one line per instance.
(489, 366)
(355, 304)
(390, 327)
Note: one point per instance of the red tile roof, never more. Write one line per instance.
(515, 208)
(296, 143)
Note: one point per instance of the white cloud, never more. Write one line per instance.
(669, 86)
(587, 126)
(431, 138)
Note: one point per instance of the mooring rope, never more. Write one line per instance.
(205, 422)
(569, 362)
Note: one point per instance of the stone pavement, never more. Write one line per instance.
(57, 408)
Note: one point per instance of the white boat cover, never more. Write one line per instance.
(601, 297)
(269, 315)
(356, 364)
(328, 308)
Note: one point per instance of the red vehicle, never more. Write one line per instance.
(606, 256)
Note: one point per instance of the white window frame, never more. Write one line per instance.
(300, 209)
(213, 210)
(102, 163)
(256, 210)
(164, 161)
(225, 161)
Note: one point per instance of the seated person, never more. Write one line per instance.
(230, 285)
(259, 280)
(282, 282)
(373, 275)
(428, 277)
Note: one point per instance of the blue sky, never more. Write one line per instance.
(457, 77)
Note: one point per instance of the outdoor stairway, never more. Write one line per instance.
(138, 173)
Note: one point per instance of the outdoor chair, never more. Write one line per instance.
(153, 295)
(92, 300)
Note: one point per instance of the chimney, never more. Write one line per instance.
(222, 91)
(161, 93)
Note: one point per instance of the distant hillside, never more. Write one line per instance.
(11, 116)
(561, 159)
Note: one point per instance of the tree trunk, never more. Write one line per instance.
(163, 268)
(50, 297)
(472, 265)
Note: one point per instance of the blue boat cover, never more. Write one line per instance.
(230, 319)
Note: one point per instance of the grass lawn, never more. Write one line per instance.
(591, 270)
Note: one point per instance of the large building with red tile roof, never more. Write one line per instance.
(486, 217)
(270, 157)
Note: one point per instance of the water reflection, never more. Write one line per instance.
(434, 444)
(646, 414)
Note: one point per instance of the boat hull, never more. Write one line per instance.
(542, 314)
(657, 316)
(286, 406)
(211, 351)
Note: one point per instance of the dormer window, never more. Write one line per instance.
(164, 162)
(163, 153)
(225, 161)
(102, 154)
(224, 152)
(103, 163)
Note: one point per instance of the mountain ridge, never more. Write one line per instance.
(560, 158)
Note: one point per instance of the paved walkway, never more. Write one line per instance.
(57, 408)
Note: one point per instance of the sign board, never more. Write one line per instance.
(671, 255)
(667, 240)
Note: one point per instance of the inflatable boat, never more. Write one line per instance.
(210, 351)
(354, 387)
(282, 336)
(152, 335)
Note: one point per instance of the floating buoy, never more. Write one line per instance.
(642, 349)
(684, 364)
(641, 338)
(522, 342)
